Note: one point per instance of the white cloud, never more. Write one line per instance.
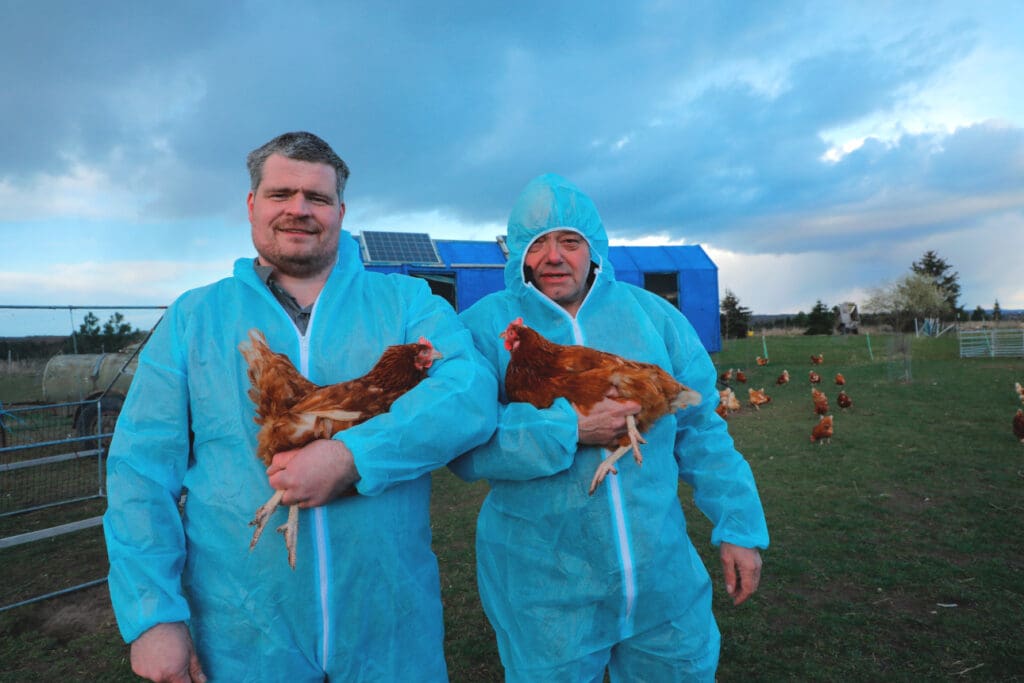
(84, 192)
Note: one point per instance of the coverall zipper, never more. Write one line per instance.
(618, 510)
(321, 548)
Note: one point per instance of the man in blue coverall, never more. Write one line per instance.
(364, 603)
(573, 583)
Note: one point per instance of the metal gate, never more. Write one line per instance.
(1004, 342)
(51, 457)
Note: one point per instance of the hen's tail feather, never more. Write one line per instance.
(686, 397)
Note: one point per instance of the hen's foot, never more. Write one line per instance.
(635, 439)
(290, 529)
(607, 465)
(262, 515)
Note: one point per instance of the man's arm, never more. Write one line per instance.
(145, 468)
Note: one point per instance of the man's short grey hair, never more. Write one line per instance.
(301, 146)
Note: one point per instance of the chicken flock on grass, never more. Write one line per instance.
(823, 430)
(539, 371)
(292, 411)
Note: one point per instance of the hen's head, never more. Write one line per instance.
(426, 354)
(511, 334)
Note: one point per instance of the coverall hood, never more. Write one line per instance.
(548, 203)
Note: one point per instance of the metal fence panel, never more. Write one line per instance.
(1007, 343)
(51, 463)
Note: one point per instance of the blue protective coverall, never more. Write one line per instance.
(564, 575)
(363, 603)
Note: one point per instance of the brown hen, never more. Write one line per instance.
(292, 411)
(540, 371)
(820, 401)
(822, 432)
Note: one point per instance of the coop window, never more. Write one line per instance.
(663, 284)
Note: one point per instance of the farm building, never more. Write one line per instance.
(463, 271)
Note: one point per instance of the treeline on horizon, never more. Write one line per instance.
(90, 337)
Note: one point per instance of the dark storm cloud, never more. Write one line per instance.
(454, 106)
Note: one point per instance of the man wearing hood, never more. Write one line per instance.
(575, 584)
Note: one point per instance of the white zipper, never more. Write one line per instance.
(622, 540)
(319, 518)
(618, 515)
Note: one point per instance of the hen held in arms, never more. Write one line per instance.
(292, 411)
(540, 371)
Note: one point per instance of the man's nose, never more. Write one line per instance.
(298, 205)
(552, 252)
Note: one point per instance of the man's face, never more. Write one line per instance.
(560, 261)
(296, 216)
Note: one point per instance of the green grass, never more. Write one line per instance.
(896, 550)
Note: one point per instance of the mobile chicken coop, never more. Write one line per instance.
(463, 271)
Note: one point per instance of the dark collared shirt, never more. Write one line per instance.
(298, 314)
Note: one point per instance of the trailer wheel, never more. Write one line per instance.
(85, 420)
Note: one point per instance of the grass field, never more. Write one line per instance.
(896, 550)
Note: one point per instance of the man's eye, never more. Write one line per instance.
(571, 244)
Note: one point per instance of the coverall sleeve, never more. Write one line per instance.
(722, 481)
(145, 468)
(450, 411)
(529, 442)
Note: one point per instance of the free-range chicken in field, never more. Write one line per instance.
(727, 400)
(822, 432)
(292, 411)
(758, 398)
(820, 401)
(1018, 425)
(540, 371)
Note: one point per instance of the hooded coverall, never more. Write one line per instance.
(363, 603)
(572, 582)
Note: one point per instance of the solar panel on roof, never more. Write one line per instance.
(401, 247)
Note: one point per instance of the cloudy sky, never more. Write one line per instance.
(815, 149)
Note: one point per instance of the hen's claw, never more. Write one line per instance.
(607, 466)
(262, 515)
(290, 529)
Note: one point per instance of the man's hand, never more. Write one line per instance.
(605, 424)
(742, 569)
(165, 654)
(315, 474)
